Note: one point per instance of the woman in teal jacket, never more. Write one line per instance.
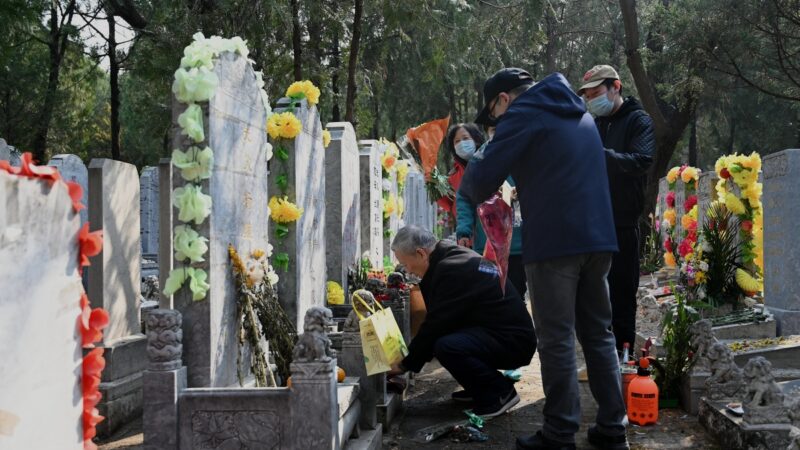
(469, 233)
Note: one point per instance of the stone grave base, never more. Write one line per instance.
(389, 409)
(732, 432)
(121, 385)
(366, 440)
(788, 320)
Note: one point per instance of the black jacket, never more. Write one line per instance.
(462, 290)
(630, 146)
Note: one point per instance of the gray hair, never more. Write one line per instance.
(412, 237)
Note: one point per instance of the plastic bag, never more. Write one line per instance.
(497, 219)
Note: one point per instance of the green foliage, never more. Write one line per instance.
(677, 344)
(652, 255)
(722, 256)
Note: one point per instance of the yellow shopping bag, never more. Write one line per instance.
(381, 339)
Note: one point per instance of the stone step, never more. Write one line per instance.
(367, 440)
(347, 393)
(388, 410)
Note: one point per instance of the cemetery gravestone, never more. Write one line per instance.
(418, 208)
(781, 172)
(72, 168)
(149, 207)
(706, 194)
(235, 121)
(40, 404)
(371, 211)
(342, 191)
(9, 153)
(303, 284)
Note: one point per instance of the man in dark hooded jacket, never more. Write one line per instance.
(550, 145)
(627, 134)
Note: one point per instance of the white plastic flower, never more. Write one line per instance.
(259, 79)
(703, 266)
(386, 184)
(268, 250)
(195, 164)
(665, 225)
(189, 244)
(265, 102)
(240, 46)
(191, 123)
(272, 277)
(192, 204)
(269, 151)
(194, 85)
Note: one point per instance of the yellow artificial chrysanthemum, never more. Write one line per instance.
(689, 174)
(669, 259)
(722, 163)
(389, 206)
(733, 204)
(672, 175)
(699, 277)
(758, 221)
(751, 162)
(326, 138)
(402, 172)
(693, 212)
(753, 193)
(747, 282)
(388, 161)
(304, 89)
(281, 210)
(686, 221)
(283, 125)
(335, 293)
(744, 177)
(670, 216)
(721, 189)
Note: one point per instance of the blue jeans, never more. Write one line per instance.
(570, 297)
(474, 355)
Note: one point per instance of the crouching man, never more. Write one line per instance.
(471, 326)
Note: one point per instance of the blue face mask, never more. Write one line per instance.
(600, 106)
(465, 149)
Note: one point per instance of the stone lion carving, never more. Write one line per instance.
(164, 339)
(376, 286)
(702, 340)
(726, 379)
(352, 321)
(763, 401)
(313, 344)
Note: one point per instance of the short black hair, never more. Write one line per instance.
(473, 131)
(609, 83)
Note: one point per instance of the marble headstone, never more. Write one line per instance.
(781, 200)
(371, 210)
(72, 168)
(303, 284)
(149, 212)
(9, 153)
(40, 403)
(418, 208)
(235, 129)
(342, 204)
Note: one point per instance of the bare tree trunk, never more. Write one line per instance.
(57, 44)
(297, 46)
(350, 102)
(114, 85)
(336, 65)
(693, 142)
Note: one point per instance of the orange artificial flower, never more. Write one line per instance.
(28, 169)
(90, 244)
(76, 194)
(92, 323)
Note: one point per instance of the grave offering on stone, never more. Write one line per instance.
(149, 212)
(371, 195)
(423, 143)
(391, 216)
(219, 191)
(342, 199)
(781, 245)
(297, 206)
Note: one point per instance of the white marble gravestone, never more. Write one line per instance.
(235, 129)
(371, 210)
(40, 388)
(419, 210)
(342, 202)
(72, 168)
(9, 153)
(149, 211)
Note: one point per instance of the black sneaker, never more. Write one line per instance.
(539, 442)
(605, 442)
(462, 396)
(500, 406)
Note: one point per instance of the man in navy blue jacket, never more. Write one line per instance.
(549, 144)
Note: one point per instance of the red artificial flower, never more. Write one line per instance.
(724, 173)
(685, 248)
(671, 199)
(28, 169)
(92, 323)
(90, 244)
(76, 194)
(689, 203)
(668, 245)
(691, 235)
(746, 225)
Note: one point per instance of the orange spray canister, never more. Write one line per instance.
(642, 398)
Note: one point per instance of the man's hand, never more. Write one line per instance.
(397, 369)
(465, 242)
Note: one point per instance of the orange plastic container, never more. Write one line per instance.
(642, 397)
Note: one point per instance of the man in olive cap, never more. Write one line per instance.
(549, 144)
(627, 134)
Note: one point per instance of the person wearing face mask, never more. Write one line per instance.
(469, 233)
(462, 141)
(549, 144)
(627, 134)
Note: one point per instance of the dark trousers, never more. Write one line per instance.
(516, 274)
(473, 357)
(623, 282)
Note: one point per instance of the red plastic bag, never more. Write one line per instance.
(497, 218)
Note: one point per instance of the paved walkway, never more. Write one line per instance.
(429, 403)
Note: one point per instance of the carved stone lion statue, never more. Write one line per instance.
(702, 340)
(352, 321)
(763, 401)
(313, 344)
(376, 286)
(726, 379)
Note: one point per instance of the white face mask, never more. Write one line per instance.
(465, 149)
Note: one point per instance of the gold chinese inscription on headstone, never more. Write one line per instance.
(248, 200)
(247, 231)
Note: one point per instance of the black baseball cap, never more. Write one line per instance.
(503, 80)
